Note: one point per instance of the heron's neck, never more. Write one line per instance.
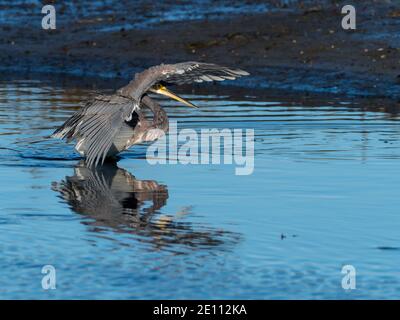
(160, 119)
(139, 85)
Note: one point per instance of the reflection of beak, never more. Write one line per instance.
(164, 91)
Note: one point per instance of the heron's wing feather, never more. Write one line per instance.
(98, 123)
(189, 72)
(179, 73)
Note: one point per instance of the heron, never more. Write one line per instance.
(109, 124)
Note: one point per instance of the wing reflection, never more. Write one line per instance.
(113, 198)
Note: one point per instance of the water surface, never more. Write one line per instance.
(109, 15)
(324, 193)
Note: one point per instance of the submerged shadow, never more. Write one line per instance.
(112, 198)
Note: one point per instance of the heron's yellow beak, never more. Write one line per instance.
(165, 92)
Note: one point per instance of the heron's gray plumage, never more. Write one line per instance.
(186, 73)
(179, 73)
(97, 124)
(110, 124)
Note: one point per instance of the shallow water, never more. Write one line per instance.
(142, 14)
(324, 193)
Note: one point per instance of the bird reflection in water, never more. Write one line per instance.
(112, 198)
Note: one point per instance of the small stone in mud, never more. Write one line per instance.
(312, 10)
(394, 14)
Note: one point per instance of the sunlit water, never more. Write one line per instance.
(143, 13)
(324, 194)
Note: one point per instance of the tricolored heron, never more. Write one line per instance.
(108, 125)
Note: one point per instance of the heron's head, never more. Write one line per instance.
(160, 89)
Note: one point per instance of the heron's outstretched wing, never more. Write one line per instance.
(98, 123)
(189, 72)
(179, 73)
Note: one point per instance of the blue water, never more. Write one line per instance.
(324, 194)
(110, 15)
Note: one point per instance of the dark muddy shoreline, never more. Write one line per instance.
(300, 48)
